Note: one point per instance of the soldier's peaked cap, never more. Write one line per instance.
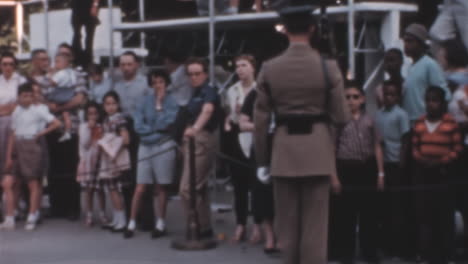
(297, 10)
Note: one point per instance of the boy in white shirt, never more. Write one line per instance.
(25, 154)
(64, 80)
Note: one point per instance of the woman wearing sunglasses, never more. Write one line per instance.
(10, 80)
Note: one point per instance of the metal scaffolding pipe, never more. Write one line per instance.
(201, 22)
(212, 42)
(110, 4)
(141, 5)
(19, 12)
(46, 24)
(351, 41)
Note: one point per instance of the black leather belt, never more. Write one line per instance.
(300, 123)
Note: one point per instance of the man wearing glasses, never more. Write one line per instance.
(203, 111)
(10, 80)
(40, 64)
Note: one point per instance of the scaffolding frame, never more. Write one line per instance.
(393, 10)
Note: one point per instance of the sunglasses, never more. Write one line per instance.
(8, 64)
(353, 96)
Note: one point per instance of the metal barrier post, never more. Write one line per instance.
(192, 240)
(110, 4)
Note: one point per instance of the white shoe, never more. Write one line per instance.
(66, 136)
(30, 226)
(7, 226)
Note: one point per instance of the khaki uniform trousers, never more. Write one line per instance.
(301, 204)
(205, 154)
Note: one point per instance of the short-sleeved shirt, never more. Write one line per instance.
(130, 93)
(357, 139)
(203, 95)
(180, 86)
(460, 96)
(423, 73)
(28, 122)
(65, 78)
(78, 88)
(113, 123)
(9, 88)
(98, 90)
(392, 124)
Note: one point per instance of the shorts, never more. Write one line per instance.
(28, 161)
(154, 168)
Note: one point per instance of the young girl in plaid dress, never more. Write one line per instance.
(114, 157)
(90, 132)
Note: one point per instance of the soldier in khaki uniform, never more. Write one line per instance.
(305, 94)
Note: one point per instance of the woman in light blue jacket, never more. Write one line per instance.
(157, 151)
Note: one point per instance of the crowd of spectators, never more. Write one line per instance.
(400, 171)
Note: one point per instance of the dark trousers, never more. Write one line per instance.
(64, 191)
(83, 56)
(434, 213)
(395, 212)
(261, 196)
(352, 208)
(461, 195)
(245, 182)
(241, 176)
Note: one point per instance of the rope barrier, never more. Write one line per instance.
(355, 188)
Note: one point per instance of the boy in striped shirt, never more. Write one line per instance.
(436, 145)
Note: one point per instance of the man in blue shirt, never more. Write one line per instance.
(133, 85)
(130, 89)
(424, 72)
(203, 110)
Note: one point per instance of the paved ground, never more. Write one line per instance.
(59, 241)
(63, 242)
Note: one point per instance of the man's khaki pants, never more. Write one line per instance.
(301, 206)
(205, 153)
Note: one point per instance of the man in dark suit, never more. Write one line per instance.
(305, 93)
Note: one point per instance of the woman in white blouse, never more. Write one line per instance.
(10, 80)
(238, 145)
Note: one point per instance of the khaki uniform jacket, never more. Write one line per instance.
(297, 84)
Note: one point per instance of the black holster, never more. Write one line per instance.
(298, 124)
